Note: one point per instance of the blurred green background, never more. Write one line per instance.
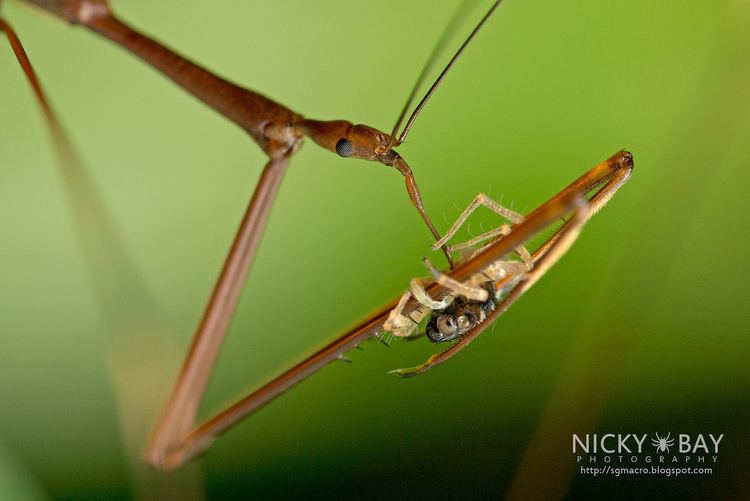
(641, 328)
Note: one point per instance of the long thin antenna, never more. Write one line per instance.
(447, 33)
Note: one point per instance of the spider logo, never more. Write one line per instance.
(662, 444)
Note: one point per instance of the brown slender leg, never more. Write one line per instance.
(249, 110)
(179, 414)
(416, 199)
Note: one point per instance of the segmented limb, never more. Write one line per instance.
(459, 288)
(501, 231)
(179, 415)
(500, 270)
(396, 322)
(404, 325)
(479, 200)
(420, 294)
(525, 255)
(497, 270)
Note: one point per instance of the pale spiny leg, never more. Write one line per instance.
(415, 317)
(421, 295)
(473, 293)
(523, 253)
(503, 269)
(398, 324)
(404, 325)
(503, 231)
(499, 269)
(390, 323)
(486, 201)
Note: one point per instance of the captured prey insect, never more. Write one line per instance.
(279, 132)
(479, 298)
(469, 302)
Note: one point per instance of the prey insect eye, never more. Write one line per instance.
(464, 322)
(446, 325)
(344, 148)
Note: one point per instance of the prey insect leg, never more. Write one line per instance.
(479, 200)
(459, 288)
(404, 325)
(501, 231)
